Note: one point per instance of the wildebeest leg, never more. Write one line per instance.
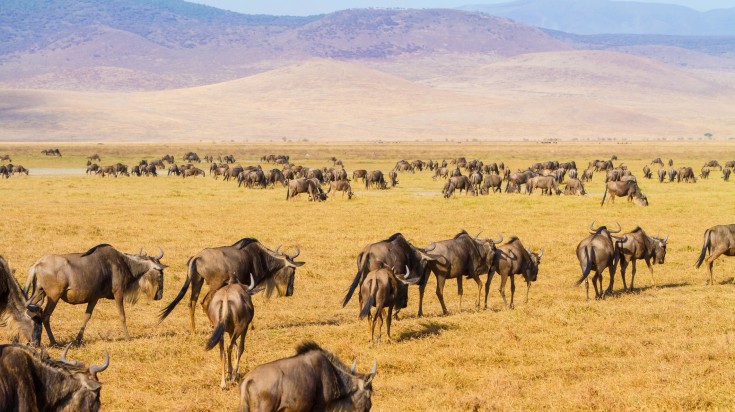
(223, 383)
(487, 286)
(595, 279)
(503, 279)
(528, 289)
(387, 322)
(196, 287)
(121, 310)
(587, 288)
(87, 316)
(714, 254)
(240, 350)
(650, 268)
(440, 292)
(633, 270)
(233, 341)
(611, 269)
(623, 267)
(460, 291)
(50, 306)
(479, 290)
(512, 290)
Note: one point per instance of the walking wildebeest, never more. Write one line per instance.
(311, 380)
(30, 381)
(380, 289)
(574, 187)
(102, 272)
(587, 175)
(441, 172)
(661, 175)
(713, 163)
(597, 252)
(212, 265)
(657, 161)
(547, 184)
(492, 181)
(627, 188)
(310, 186)
(395, 252)
(359, 174)
(94, 157)
(375, 178)
(718, 240)
(231, 310)
(647, 174)
(464, 256)
(341, 186)
(638, 245)
(6, 157)
(509, 260)
(92, 168)
(13, 306)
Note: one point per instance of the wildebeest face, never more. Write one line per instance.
(659, 249)
(31, 329)
(532, 271)
(641, 200)
(86, 398)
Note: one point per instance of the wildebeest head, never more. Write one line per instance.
(601, 229)
(487, 248)
(363, 390)
(150, 281)
(532, 269)
(640, 199)
(87, 398)
(283, 278)
(659, 249)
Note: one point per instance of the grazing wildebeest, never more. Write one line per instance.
(311, 380)
(310, 186)
(597, 252)
(638, 245)
(4, 171)
(341, 186)
(726, 174)
(393, 177)
(149, 170)
(647, 172)
(395, 252)
(463, 256)
(19, 170)
(574, 187)
(212, 265)
(380, 289)
(657, 161)
(375, 178)
(30, 381)
(627, 188)
(194, 171)
(13, 306)
(462, 183)
(275, 175)
(492, 181)
(6, 158)
(730, 164)
(191, 157)
(475, 181)
(173, 169)
(168, 158)
(704, 173)
(509, 260)
(102, 272)
(359, 174)
(107, 170)
(671, 162)
(94, 157)
(661, 175)
(231, 310)
(686, 174)
(448, 189)
(718, 240)
(587, 175)
(713, 163)
(547, 184)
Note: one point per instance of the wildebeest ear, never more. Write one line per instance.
(353, 368)
(91, 384)
(440, 259)
(161, 266)
(297, 264)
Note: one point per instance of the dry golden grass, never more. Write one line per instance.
(670, 347)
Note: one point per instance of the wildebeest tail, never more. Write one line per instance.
(604, 196)
(370, 300)
(360, 271)
(191, 270)
(589, 255)
(31, 282)
(707, 244)
(219, 331)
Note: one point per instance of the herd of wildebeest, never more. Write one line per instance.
(312, 379)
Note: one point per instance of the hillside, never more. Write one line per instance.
(605, 16)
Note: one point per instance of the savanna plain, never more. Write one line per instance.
(669, 347)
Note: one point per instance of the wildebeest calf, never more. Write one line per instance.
(380, 289)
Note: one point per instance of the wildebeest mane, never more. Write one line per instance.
(308, 346)
(94, 249)
(463, 232)
(244, 242)
(394, 237)
(9, 286)
(43, 358)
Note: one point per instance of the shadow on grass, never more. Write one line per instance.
(728, 281)
(622, 292)
(427, 328)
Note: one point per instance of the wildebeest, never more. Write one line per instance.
(462, 183)
(492, 181)
(395, 252)
(661, 175)
(463, 256)
(726, 174)
(273, 269)
(671, 162)
(547, 184)
(376, 179)
(441, 172)
(14, 306)
(657, 161)
(191, 157)
(168, 158)
(713, 163)
(231, 310)
(94, 157)
(638, 245)
(92, 168)
(704, 173)
(718, 240)
(627, 188)
(194, 171)
(509, 260)
(393, 176)
(19, 170)
(730, 164)
(686, 174)
(448, 189)
(380, 289)
(107, 170)
(359, 174)
(647, 174)
(341, 186)
(311, 380)
(102, 272)
(51, 152)
(587, 175)
(597, 252)
(309, 186)
(174, 169)
(30, 381)
(574, 187)
(5, 157)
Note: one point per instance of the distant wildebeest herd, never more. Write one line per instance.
(312, 379)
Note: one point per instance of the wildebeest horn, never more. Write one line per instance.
(64, 352)
(372, 373)
(616, 231)
(408, 272)
(666, 238)
(478, 234)
(278, 248)
(592, 227)
(159, 257)
(252, 282)
(497, 241)
(95, 369)
(140, 253)
(541, 254)
(431, 247)
(353, 368)
(294, 256)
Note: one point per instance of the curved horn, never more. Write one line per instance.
(353, 368)
(478, 234)
(252, 282)
(497, 241)
(616, 231)
(64, 352)
(278, 248)
(541, 254)
(408, 273)
(592, 227)
(372, 373)
(666, 238)
(95, 369)
(431, 247)
(159, 257)
(140, 252)
(294, 256)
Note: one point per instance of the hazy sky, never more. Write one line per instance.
(303, 8)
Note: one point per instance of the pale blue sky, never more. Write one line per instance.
(305, 7)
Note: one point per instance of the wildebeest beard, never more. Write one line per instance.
(273, 264)
(140, 268)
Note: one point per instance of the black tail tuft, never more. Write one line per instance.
(217, 335)
(589, 256)
(705, 246)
